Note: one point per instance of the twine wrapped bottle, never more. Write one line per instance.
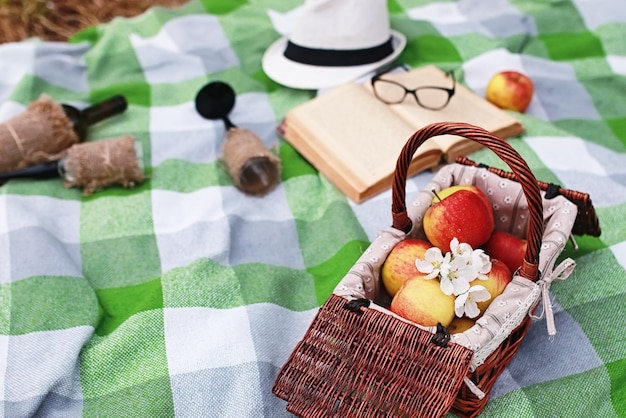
(92, 165)
(47, 128)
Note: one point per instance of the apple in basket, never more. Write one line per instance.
(497, 279)
(399, 266)
(460, 324)
(422, 301)
(510, 90)
(463, 212)
(506, 247)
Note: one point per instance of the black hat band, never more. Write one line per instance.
(338, 57)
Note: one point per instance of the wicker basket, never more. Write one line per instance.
(358, 359)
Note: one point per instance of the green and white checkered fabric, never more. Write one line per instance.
(183, 297)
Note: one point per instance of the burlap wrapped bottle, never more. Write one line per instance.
(39, 134)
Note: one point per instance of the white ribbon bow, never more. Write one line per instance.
(561, 272)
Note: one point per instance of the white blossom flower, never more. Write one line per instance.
(456, 278)
(466, 303)
(451, 282)
(432, 263)
(455, 271)
(462, 250)
(481, 263)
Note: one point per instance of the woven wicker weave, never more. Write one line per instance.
(351, 365)
(342, 367)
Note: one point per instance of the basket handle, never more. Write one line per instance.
(502, 149)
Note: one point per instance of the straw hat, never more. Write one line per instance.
(333, 42)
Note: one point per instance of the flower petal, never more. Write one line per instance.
(471, 309)
(433, 254)
(479, 293)
(481, 261)
(446, 286)
(458, 263)
(432, 274)
(463, 251)
(454, 244)
(459, 304)
(424, 266)
(460, 286)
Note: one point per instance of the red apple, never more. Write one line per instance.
(497, 279)
(449, 190)
(400, 263)
(461, 213)
(506, 247)
(422, 301)
(510, 90)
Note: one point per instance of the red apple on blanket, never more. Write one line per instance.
(422, 301)
(510, 90)
(497, 279)
(506, 247)
(463, 212)
(400, 263)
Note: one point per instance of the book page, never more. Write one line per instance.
(353, 131)
(464, 106)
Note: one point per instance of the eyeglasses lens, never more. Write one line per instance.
(389, 92)
(432, 98)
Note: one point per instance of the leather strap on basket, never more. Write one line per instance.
(505, 152)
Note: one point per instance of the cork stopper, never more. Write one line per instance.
(39, 134)
(95, 165)
(254, 169)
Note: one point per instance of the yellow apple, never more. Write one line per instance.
(507, 248)
(463, 213)
(399, 266)
(422, 301)
(498, 277)
(460, 324)
(510, 90)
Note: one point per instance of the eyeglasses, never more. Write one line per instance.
(428, 97)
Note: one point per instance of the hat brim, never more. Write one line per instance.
(304, 76)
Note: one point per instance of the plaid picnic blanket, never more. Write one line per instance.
(183, 297)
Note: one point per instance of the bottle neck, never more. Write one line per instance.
(43, 170)
(100, 111)
(83, 119)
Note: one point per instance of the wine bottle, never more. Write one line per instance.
(47, 128)
(98, 162)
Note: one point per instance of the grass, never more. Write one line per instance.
(57, 20)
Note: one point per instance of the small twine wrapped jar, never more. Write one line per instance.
(254, 169)
(94, 165)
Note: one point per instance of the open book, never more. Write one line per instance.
(354, 139)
